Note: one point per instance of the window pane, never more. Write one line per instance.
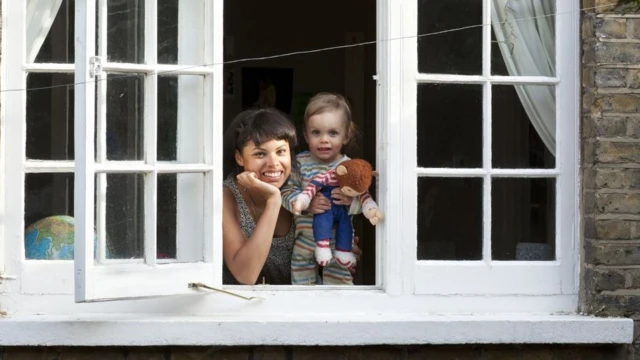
(524, 37)
(125, 216)
(49, 225)
(125, 117)
(125, 31)
(449, 218)
(455, 52)
(49, 117)
(58, 46)
(523, 219)
(517, 129)
(186, 36)
(180, 216)
(449, 125)
(180, 118)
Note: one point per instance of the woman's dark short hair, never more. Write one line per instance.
(259, 126)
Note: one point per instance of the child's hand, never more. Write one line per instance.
(319, 204)
(374, 215)
(339, 198)
(301, 202)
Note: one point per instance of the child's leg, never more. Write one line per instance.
(334, 274)
(303, 261)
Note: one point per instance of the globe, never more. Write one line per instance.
(50, 238)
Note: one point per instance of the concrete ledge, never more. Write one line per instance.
(362, 329)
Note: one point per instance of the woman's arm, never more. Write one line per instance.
(246, 257)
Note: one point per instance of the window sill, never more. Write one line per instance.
(358, 329)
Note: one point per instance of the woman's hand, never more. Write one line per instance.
(319, 204)
(249, 180)
(339, 198)
(357, 252)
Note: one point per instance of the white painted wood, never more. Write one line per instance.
(481, 79)
(214, 34)
(396, 169)
(160, 69)
(48, 68)
(556, 277)
(101, 136)
(84, 112)
(12, 141)
(568, 221)
(486, 134)
(375, 303)
(190, 137)
(150, 137)
(38, 166)
(353, 329)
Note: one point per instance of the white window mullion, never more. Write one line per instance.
(14, 77)
(101, 136)
(213, 121)
(568, 221)
(486, 132)
(481, 79)
(150, 131)
(84, 113)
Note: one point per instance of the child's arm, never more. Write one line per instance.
(291, 189)
(302, 200)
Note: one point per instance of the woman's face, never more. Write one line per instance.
(271, 161)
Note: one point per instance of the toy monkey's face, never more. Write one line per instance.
(349, 191)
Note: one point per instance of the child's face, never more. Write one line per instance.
(326, 133)
(271, 161)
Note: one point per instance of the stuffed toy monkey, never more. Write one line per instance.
(353, 178)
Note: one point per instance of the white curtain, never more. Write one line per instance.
(40, 16)
(528, 49)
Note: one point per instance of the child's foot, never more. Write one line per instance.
(323, 252)
(345, 258)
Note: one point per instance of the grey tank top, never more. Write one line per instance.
(277, 268)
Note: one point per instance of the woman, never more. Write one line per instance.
(258, 233)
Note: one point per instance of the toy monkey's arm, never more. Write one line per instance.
(302, 201)
(370, 208)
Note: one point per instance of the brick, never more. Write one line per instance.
(634, 276)
(615, 305)
(615, 203)
(611, 28)
(351, 352)
(604, 279)
(634, 25)
(612, 254)
(270, 353)
(537, 354)
(610, 126)
(633, 128)
(634, 178)
(589, 152)
(613, 152)
(91, 353)
(443, 352)
(633, 79)
(617, 229)
(588, 127)
(588, 26)
(617, 53)
(620, 103)
(609, 78)
(589, 178)
(603, 6)
(610, 179)
(147, 353)
(589, 104)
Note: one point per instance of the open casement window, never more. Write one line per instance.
(147, 171)
(487, 145)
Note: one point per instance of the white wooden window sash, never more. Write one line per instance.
(486, 276)
(108, 281)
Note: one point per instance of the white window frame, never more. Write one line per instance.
(395, 310)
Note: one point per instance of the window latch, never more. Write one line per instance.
(3, 276)
(95, 66)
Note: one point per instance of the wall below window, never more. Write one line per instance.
(310, 353)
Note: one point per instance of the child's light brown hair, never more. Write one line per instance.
(326, 102)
